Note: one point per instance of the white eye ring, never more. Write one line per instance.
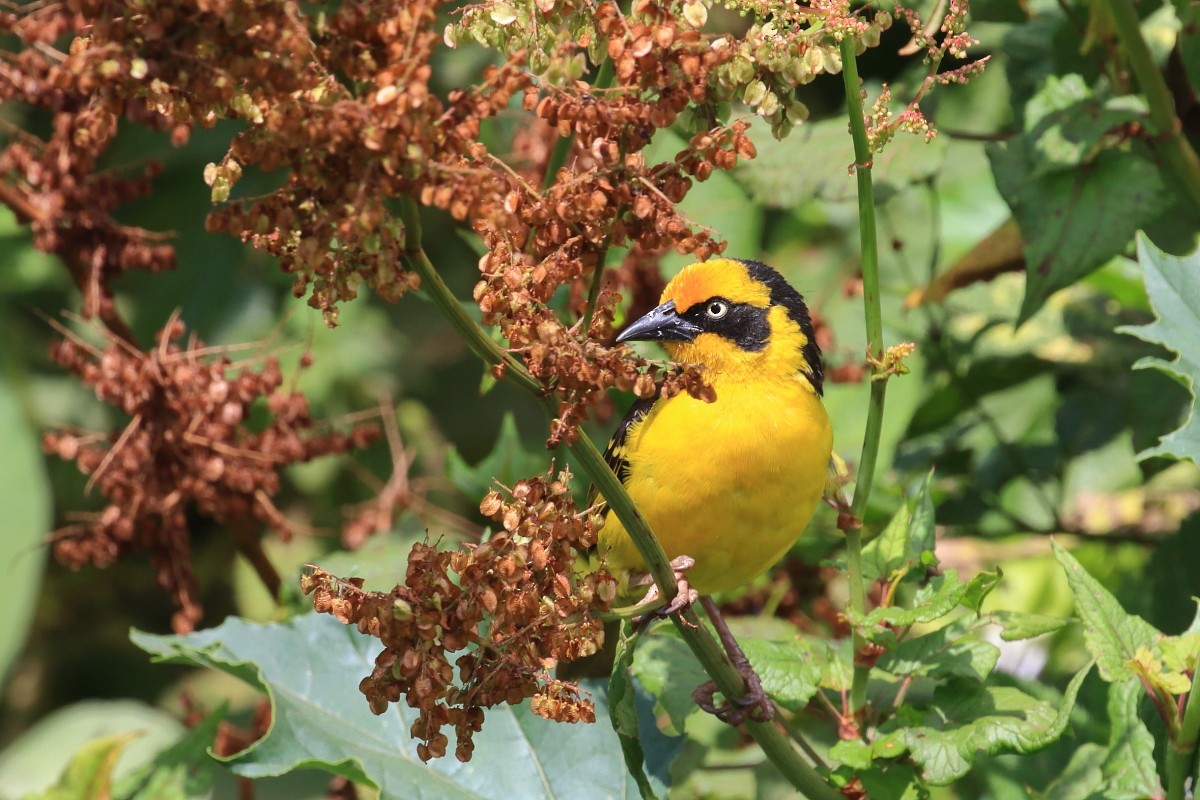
(716, 309)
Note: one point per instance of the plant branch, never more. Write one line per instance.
(1181, 755)
(594, 290)
(874, 323)
(249, 545)
(709, 652)
(1181, 160)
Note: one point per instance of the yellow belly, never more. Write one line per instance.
(732, 484)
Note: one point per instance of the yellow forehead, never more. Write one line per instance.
(721, 277)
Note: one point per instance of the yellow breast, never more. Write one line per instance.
(731, 483)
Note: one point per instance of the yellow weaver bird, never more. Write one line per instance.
(732, 483)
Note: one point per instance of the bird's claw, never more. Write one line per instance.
(685, 595)
(754, 704)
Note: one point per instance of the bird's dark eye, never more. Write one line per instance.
(716, 309)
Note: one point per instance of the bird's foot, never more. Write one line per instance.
(754, 704)
(685, 595)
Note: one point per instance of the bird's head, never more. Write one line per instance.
(733, 317)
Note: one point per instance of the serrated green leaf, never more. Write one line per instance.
(623, 709)
(952, 650)
(967, 718)
(1074, 220)
(1017, 625)
(507, 463)
(790, 670)
(933, 601)
(1128, 769)
(893, 781)
(1067, 123)
(853, 753)
(909, 534)
(89, 774)
(1173, 284)
(1113, 636)
(310, 668)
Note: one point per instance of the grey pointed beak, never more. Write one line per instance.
(661, 325)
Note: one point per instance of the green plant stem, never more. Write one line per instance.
(1181, 755)
(708, 651)
(874, 321)
(1181, 160)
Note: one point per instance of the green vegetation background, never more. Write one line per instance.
(1032, 430)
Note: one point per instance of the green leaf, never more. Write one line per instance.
(310, 667)
(1181, 653)
(1187, 41)
(25, 498)
(666, 668)
(508, 462)
(934, 600)
(893, 781)
(183, 770)
(952, 650)
(853, 753)
(1017, 625)
(623, 710)
(1112, 635)
(1074, 220)
(1081, 779)
(909, 534)
(89, 775)
(1068, 124)
(790, 670)
(1128, 769)
(30, 764)
(382, 561)
(814, 161)
(1173, 285)
(967, 718)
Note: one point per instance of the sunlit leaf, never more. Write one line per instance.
(1128, 769)
(1174, 286)
(906, 537)
(953, 650)
(310, 667)
(1113, 636)
(1017, 625)
(967, 718)
(934, 600)
(1077, 197)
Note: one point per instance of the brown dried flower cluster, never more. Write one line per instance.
(187, 449)
(515, 604)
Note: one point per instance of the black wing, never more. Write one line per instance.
(614, 454)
